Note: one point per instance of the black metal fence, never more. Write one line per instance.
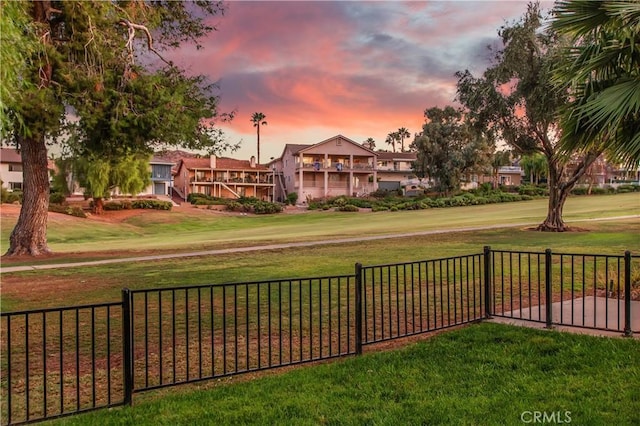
(61, 361)
(579, 290)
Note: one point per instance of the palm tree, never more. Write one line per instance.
(391, 140)
(402, 133)
(499, 159)
(370, 143)
(535, 165)
(258, 119)
(602, 72)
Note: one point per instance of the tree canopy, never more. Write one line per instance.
(104, 64)
(601, 71)
(448, 149)
(517, 100)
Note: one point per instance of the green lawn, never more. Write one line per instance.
(445, 380)
(94, 284)
(484, 374)
(161, 231)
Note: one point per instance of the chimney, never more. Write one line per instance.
(212, 161)
(252, 162)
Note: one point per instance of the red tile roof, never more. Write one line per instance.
(222, 163)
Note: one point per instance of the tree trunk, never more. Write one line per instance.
(258, 143)
(29, 237)
(98, 205)
(557, 197)
(559, 190)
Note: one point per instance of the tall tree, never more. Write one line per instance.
(601, 70)
(370, 143)
(448, 149)
(392, 138)
(517, 101)
(402, 133)
(88, 51)
(258, 119)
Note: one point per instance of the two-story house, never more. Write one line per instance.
(333, 167)
(395, 169)
(223, 177)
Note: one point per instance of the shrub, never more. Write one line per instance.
(532, 190)
(57, 198)
(112, 206)
(73, 211)
(348, 208)
(266, 207)
(292, 198)
(580, 191)
(622, 189)
(11, 197)
(236, 206)
(151, 204)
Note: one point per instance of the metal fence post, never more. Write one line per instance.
(487, 282)
(627, 294)
(359, 309)
(127, 346)
(547, 287)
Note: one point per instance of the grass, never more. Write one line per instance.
(79, 285)
(173, 231)
(482, 374)
(45, 288)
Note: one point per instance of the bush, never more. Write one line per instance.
(292, 198)
(151, 204)
(11, 197)
(348, 208)
(57, 198)
(266, 207)
(73, 211)
(623, 189)
(532, 190)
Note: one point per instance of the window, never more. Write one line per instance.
(338, 142)
(15, 186)
(15, 167)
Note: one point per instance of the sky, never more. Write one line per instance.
(317, 69)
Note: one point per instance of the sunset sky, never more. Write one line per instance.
(360, 69)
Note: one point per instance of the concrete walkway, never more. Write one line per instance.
(281, 246)
(607, 314)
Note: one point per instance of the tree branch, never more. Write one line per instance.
(131, 28)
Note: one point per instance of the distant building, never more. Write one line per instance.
(11, 169)
(333, 167)
(223, 177)
(395, 169)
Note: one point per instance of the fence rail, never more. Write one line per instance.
(60, 361)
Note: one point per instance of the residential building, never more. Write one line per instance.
(223, 177)
(505, 176)
(11, 169)
(161, 176)
(395, 169)
(333, 167)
